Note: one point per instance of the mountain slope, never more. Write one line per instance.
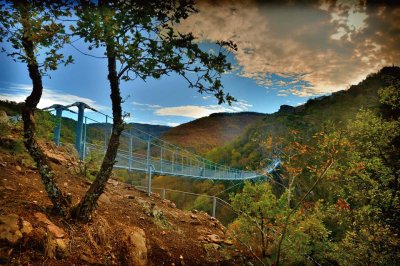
(204, 134)
(337, 109)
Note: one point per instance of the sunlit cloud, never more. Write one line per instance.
(19, 92)
(197, 111)
(323, 46)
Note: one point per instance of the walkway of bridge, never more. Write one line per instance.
(142, 152)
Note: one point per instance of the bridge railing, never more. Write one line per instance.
(140, 151)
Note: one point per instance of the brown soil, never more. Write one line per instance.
(174, 237)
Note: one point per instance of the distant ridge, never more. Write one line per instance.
(206, 133)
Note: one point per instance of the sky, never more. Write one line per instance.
(288, 51)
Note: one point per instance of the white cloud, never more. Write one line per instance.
(197, 111)
(172, 124)
(19, 92)
(192, 111)
(148, 106)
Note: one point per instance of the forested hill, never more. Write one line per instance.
(206, 133)
(154, 130)
(336, 109)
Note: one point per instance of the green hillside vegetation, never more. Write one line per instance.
(247, 151)
(336, 198)
(206, 133)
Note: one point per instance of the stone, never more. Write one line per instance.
(228, 242)
(3, 117)
(195, 222)
(41, 217)
(13, 228)
(54, 229)
(209, 246)
(18, 168)
(87, 259)
(135, 241)
(193, 216)
(61, 248)
(104, 199)
(10, 188)
(113, 182)
(214, 238)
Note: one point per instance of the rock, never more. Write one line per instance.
(214, 238)
(41, 217)
(209, 246)
(13, 228)
(3, 117)
(87, 259)
(61, 248)
(193, 216)
(104, 199)
(135, 241)
(228, 242)
(10, 188)
(55, 158)
(213, 219)
(113, 182)
(54, 229)
(26, 228)
(195, 222)
(18, 168)
(195, 211)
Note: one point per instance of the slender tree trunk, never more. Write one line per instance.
(285, 226)
(86, 206)
(263, 249)
(60, 201)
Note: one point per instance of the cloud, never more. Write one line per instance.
(321, 47)
(192, 111)
(147, 106)
(197, 111)
(19, 92)
(172, 124)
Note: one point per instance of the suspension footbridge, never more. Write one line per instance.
(142, 152)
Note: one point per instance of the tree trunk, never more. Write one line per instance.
(264, 246)
(86, 206)
(60, 202)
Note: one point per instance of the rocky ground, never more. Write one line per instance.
(128, 227)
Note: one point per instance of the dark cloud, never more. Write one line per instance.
(327, 44)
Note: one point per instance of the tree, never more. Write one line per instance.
(141, 41)
(30, 27)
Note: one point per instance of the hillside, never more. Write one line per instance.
(206, 133)
(335, 109)
(128, 227)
